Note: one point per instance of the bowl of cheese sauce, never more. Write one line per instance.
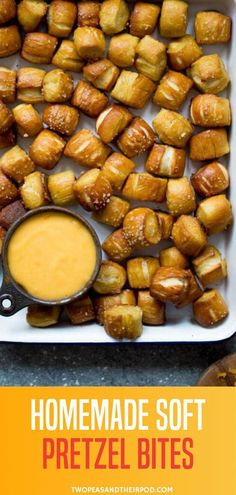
(52, 255)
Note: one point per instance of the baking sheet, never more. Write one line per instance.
(180, 326)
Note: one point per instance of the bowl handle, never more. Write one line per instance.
(11, 301)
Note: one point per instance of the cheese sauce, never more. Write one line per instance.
(52, 255)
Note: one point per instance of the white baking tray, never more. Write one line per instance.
(180, 326)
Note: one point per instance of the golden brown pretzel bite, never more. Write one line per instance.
(61, 18)
(87, 149)
(30, 13)
(39, 48)
(122, 49)
(67, 58)
(114, 15)
(136, 138)
(123, 322)
(30, 84)
(183, 52)
(92, 190)
(209, 74)
(210, 179)
(143, 19)
(88, 13)
(166, 161)
(174, 18)
(88, 99)
(153, 310)
(188, 235)
(210, 308)
(46, 149)
(215, 214)
(10, 41)
(212, 27)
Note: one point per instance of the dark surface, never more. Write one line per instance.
(127, 364)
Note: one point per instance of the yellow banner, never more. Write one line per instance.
(62, 441)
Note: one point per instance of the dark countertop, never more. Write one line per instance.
(115, 364)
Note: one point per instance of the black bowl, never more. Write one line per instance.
(12, 296)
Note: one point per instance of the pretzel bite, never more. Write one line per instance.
(41, 316)
(188, 235)
(141, 228)
(153, 310)
(143, 19)
(180, 197)
(114, 212)
(61, 118)
(170, 284)
(210, 179)
(122, 49)
(112, 121)
(166, 223)
(30, 13)
(89, 42)
(16, 164)
(67, 58)
(87, 149)
(173, 257)
(7, 85)
(34, 191)
(210, 308)
(151, 58)
(7, 11)
(88, 99)
(8, 139)
(6, 118)
(174, 18)
(114, 15)
(132, 89)
(46, 149)
(141, 270)
(10, 41)
(183, 52)
(28, 120)
(166, 161)
(123, 322)
(88, 13)
(173, 90)
(80, 311)
(102, 74)
(111, 278)
(136, 138)
(11, 213)
(215, 214)
(117, 168)
(8, 191)
(194, 292)
(208, 145)
(2, 236)
(172, 128)
(212, 27)
(39, 48)
(209, 74)
(30, 85)
(92, 190)
(210, 111)
(116, 246)
(209, 266)
(61, 18)
(61, 187)
(145, 187)
(57, 86)
(102, 303)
